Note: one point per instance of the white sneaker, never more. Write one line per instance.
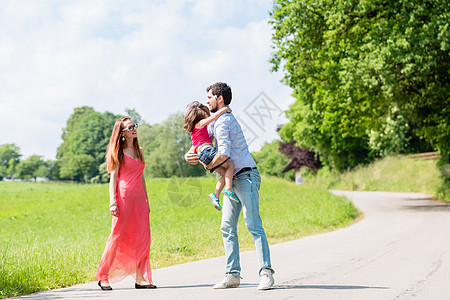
(266, 280)
(229, 281)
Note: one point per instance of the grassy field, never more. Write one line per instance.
(53, 235)
(394, 173)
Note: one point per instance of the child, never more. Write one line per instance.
(196, 120)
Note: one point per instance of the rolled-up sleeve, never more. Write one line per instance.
(210, 129)
(223, 137)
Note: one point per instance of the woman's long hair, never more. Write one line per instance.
(114, 151)
(195, 112)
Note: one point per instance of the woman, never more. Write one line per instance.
(128, 246)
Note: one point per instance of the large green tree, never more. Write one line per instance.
(354, 65)
(84, 138)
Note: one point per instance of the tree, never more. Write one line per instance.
(78, 167)
(12, 164)
(103, 175)
(352, 63)
(134, 115)
(9, 158)
(271, 161)
(148, 137)
(41, 171)
(86, 136)
(30, 167)
(3, 172)
(53, 169)
(299, 157)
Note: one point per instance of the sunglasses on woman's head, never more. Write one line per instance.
(131, 127)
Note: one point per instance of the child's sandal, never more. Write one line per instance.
(231, 195)
(215, 201)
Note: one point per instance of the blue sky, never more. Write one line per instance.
(153, 56)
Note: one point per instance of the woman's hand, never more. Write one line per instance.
(113, 210)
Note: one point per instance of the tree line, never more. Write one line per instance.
(81, 155)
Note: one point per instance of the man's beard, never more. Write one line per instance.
(213, 109)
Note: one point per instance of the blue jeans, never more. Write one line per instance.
(246, 187)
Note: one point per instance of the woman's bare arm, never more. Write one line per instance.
(112, 192)
(145, 186)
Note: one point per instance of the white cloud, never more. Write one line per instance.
(154, 56)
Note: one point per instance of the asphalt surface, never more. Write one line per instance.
(399, 250)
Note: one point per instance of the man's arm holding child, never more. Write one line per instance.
(223, 145)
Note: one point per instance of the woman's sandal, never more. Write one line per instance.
(144, 286)
(104, 287)
(231, 195)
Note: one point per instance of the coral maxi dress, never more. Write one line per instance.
(128, 245)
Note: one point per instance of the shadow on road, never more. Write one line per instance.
(329, 287)
(73, 293)
(96, 293)
(430, 207)
(199, 286)
(425, 204)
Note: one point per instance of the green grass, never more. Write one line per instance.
(53, 235)
(394, 173)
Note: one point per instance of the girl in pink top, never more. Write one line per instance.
(196, 120)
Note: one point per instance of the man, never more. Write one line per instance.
(230, 142)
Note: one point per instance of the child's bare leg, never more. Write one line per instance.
(227, 171)
(219, 186)
(229, 175)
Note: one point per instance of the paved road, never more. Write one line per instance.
(400, 250)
